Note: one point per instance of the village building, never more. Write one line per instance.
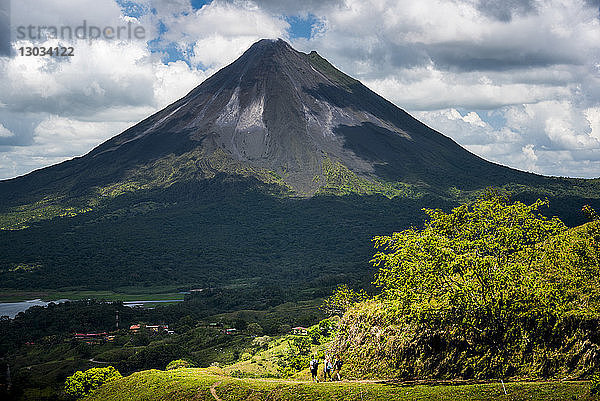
(300, 331)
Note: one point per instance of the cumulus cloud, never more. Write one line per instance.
(4, 132)
(551, 137)
(375, 38)
(219, 32)
(55, 139)
(504, 10)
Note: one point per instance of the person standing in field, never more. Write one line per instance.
(337, 365)
(314, 369)
(327, 367)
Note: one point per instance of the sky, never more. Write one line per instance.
(516, 82)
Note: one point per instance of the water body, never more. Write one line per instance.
(12, 309)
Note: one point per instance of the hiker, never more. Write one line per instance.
(314, 369)
(327, 367)
(337, 365)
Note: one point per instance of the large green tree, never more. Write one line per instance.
(492, 259)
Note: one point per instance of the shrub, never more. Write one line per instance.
(254, 329)
(179, 364)
(294, 364)
(321, 332)
(261, 342)
(81, 384)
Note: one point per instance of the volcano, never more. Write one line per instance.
(278, 165)
(289, 114)
(279, 110)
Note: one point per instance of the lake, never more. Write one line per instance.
(12, 309)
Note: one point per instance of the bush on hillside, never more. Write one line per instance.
(261, 343)
(179, 364)
(323, 331)
(81, 384)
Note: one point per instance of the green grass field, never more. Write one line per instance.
(195, 384)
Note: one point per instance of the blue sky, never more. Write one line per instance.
(515, 82)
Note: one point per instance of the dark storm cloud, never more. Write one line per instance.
(394, 55)
(461, 56)
(22, 127)
(593, 3)
(504, 10)
(19, 139)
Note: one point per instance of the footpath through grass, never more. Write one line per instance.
(195, 384)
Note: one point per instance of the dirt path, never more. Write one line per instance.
(213, 391)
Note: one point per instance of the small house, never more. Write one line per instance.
(300, 331)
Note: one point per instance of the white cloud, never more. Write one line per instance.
(431, 89)
(552, 138)
(217, 50)
(531, 158)
(593, 116)
(219, 32)
(4, 132)
(52, 133)
(56, 139)
(173, 81)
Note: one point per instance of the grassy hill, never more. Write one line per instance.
(196, 384)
